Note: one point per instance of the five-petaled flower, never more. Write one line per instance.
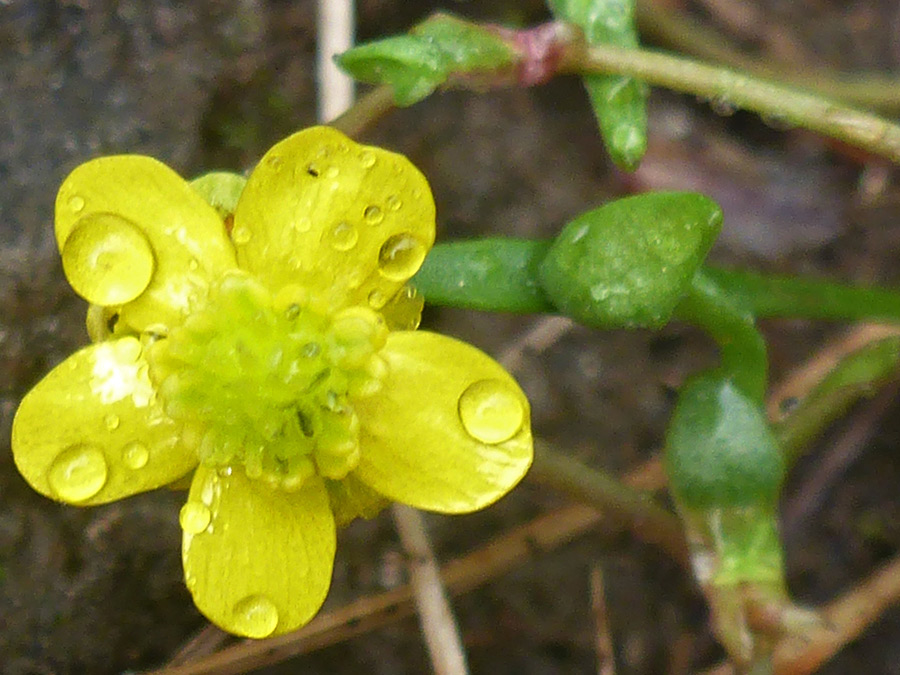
(268, 350)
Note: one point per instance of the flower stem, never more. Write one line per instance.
(646, 518)
(777, 297)
(730, 323)
(729, 88)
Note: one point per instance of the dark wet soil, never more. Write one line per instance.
(211, 84)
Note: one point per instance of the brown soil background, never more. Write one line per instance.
(211, 84)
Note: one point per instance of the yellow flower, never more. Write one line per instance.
(276, 361)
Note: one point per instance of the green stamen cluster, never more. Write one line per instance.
(267, 382)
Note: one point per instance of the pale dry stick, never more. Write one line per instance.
(603, 642)
(334, 35)
(803, 379)
(435, 615)
(540, 336)
(336, 93)
(201, 644)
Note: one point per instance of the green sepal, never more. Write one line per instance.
(619, 102)
(720, 451)
(439, 48)
(497, 275)
(221, 190)
(629, 262)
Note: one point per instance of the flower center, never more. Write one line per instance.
(267, 382)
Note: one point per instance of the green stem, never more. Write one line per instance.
(494, 275)
(730, 323)
(683, 34)
(368, 109)
(740, 90)
(856, 376)
(808, 298)
(645, 517)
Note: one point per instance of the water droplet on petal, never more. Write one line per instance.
(255, 616)
(135, 455)
(342, 237)
(274, 161)
(377, 299)
(332, 172)
(107, 259)
(78, 473)
(302, 224)
(112, 422)
(241, 234)
(491, 411)
(367, 159)
(400, 257)
(76, 203)
(394, 203)
(194, 517)
(373, 215)
(193, 265)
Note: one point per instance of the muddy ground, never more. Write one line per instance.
(212, 84)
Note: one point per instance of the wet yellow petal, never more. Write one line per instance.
(92, 431)
(450, 429)
(345, 220)
(130, 227)
(258, 561)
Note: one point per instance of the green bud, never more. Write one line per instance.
(416, 64)
(221, 190)
(720, 451)
(629, 262)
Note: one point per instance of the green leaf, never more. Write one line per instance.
(629, 262)
(440, 48)
(720, 451)
(619, 103)
(411, 65)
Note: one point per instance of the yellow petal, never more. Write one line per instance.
(132, 231)
(92, 431)
(450, 429)
(345, 220)
(257, 560)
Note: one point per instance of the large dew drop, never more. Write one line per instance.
(194, 517)
(400, 257)
(107, 259)
(78, 473)
(255, 616)
(491, 411)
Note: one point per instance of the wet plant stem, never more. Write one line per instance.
(730, 90)
(647, 519)
(728, 320)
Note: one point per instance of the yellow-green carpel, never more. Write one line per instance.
(267, 350)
